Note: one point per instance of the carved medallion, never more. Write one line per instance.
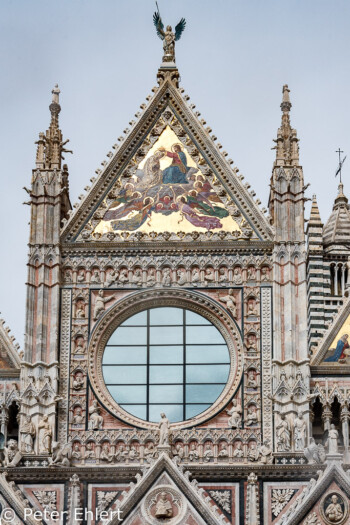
(334, 508)
(163, 505)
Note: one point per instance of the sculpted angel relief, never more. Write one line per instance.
(167, 193)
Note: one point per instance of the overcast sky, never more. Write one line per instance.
(234, 57)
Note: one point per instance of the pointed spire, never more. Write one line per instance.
(315, 217)
(50, 144)
(287, 149)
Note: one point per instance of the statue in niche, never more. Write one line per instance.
(332, 440)
(299, 432)
(28, 433)
(193, 454)
(133, 453)
(106, 454)
(181, 277)
(166, 280)
(111, 278)
(89, 451)
(230, 302)
(68, 276)
(78, 381)
(100, 303)
(164, 430)
(150, 452)
(124, 276)
(169, 38)
(137, 277)
(78, 417)
(95, 278)
(223, 453)
(251, 343)
(265, 453)
(79, 346)
(253, 452)
(80, 310)
(251, 380)
(208, 453)
(251, 307)
(121, 453)
(209, 276)
(151, 277)
(251, 274)
(238, 449)
(334, 511)
(235, 413)
(81, 276)
(265, 273)
(223, 275)
(76, 454)
(237, 275)
(164, 508)
(252, 417)
(178, 451)
(45, 435)
(196, 276)
(283, 434)
(95, 419)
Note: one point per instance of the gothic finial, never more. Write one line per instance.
(286, 103)
(55, 107)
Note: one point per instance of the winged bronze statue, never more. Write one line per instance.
(168, 36)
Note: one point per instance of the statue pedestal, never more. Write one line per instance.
(334, 458)
(164, 448)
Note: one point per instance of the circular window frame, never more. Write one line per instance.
(143, 300)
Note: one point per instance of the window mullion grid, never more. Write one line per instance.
(184, 364)
(148, 361)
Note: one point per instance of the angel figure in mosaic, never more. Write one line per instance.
(168, 36)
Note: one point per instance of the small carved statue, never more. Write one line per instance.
(265, 273)
(315, 453)
(181, 277)
(235, 413)
(124, 276)
(137, 277)
(332, 440)
(251, 307)
(193, 454)
(230, 302)
(207, 454)
(80, 310)
(334, 511)
(78, 381)
(164, 430)
(299, 432)
(283, 434)
(28, 433)
(223, 453)
(61, 455)
(196, 277)
(133, 453)
(222, 275)
(166, 281)
(81, 276)
(251, 275)
(237, 276)
(178, 451)
(251, 380)
(252, 417)
(150, 452)
(106, 454)
(12, 456)
(89, 451)
(209, 276)
(100, 303)
(238, 450)
(265, 453)
(79, 346)
(68, 276)
(78, 417)
(95, 278)
(164, 508)
(76, 454)
(151, 277)
(253, 452)
(95, 419)
(45, 435)
(111, 278)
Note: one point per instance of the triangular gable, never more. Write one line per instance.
(332, 350)
(166, 476)
(9, 357)
(335, 481)
(14, 499)
(212, 198)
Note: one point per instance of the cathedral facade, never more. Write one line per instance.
(186, 358)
